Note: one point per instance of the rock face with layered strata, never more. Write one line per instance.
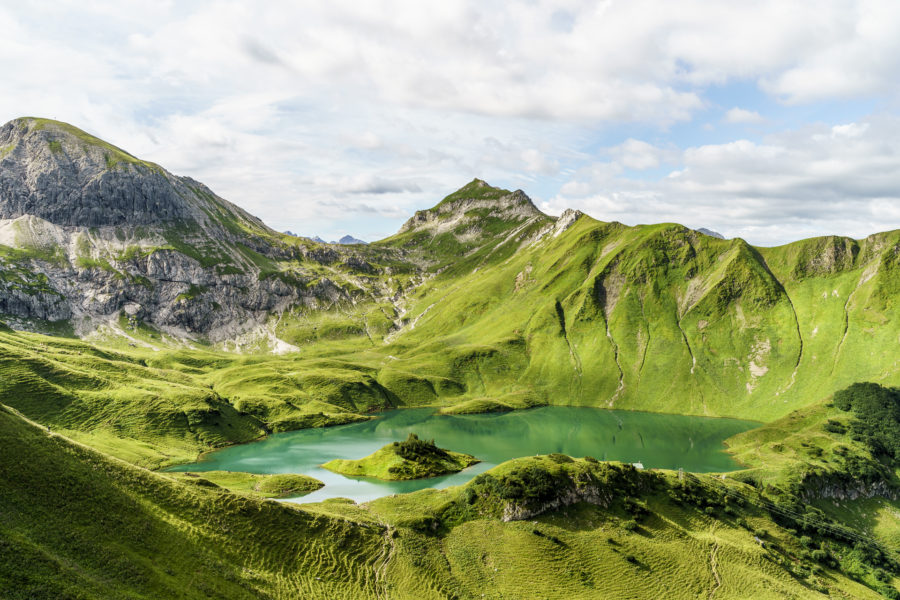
(60, 174)
(91, 235)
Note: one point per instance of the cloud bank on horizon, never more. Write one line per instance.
(772, 120)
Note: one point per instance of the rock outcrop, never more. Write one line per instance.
(69, 178)
(845, 487)
(472, 203)
(710, 233)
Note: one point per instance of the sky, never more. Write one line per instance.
(767, 120)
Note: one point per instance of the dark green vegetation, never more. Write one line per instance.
(480, 303)
(817, 475)
(410, 459)
(877, 422)
(824, 452)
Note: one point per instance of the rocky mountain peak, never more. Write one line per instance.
(475, 201)
(68, 177)
(710, 233)
(566, 220)
(66, 143)
(92, 231)
(480, 193)
(350, 240)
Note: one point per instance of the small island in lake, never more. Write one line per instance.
(410, 459)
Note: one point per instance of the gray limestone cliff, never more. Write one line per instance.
(92, 236)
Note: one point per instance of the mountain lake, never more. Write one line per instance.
(655, 440)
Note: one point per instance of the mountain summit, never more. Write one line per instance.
(476, 224)
(92, 236)
(474, 201)
(59, 173)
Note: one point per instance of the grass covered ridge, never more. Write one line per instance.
(286, 485)
(559, 527)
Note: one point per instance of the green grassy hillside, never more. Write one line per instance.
(661, 318)
(157, 408)
(283, 485)
(519, 531)
(77, 524)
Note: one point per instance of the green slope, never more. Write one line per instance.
(661, 318)
(77, 524)
(157, 408)
(643, 535)
(284, 485)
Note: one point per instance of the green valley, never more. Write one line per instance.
(168, 323)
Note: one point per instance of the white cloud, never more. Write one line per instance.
(740, 115)
(841, 180)
(618, 60)
(637, 155)
(855, 55)
(301, 112)
(850, 130)
(368, 184)
(537, 162)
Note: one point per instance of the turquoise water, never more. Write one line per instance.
(656, 440)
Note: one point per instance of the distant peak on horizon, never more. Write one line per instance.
(710, 233)
(347, 240)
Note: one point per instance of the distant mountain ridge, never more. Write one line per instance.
(344, 241)
(349, 239)
(711, 233)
